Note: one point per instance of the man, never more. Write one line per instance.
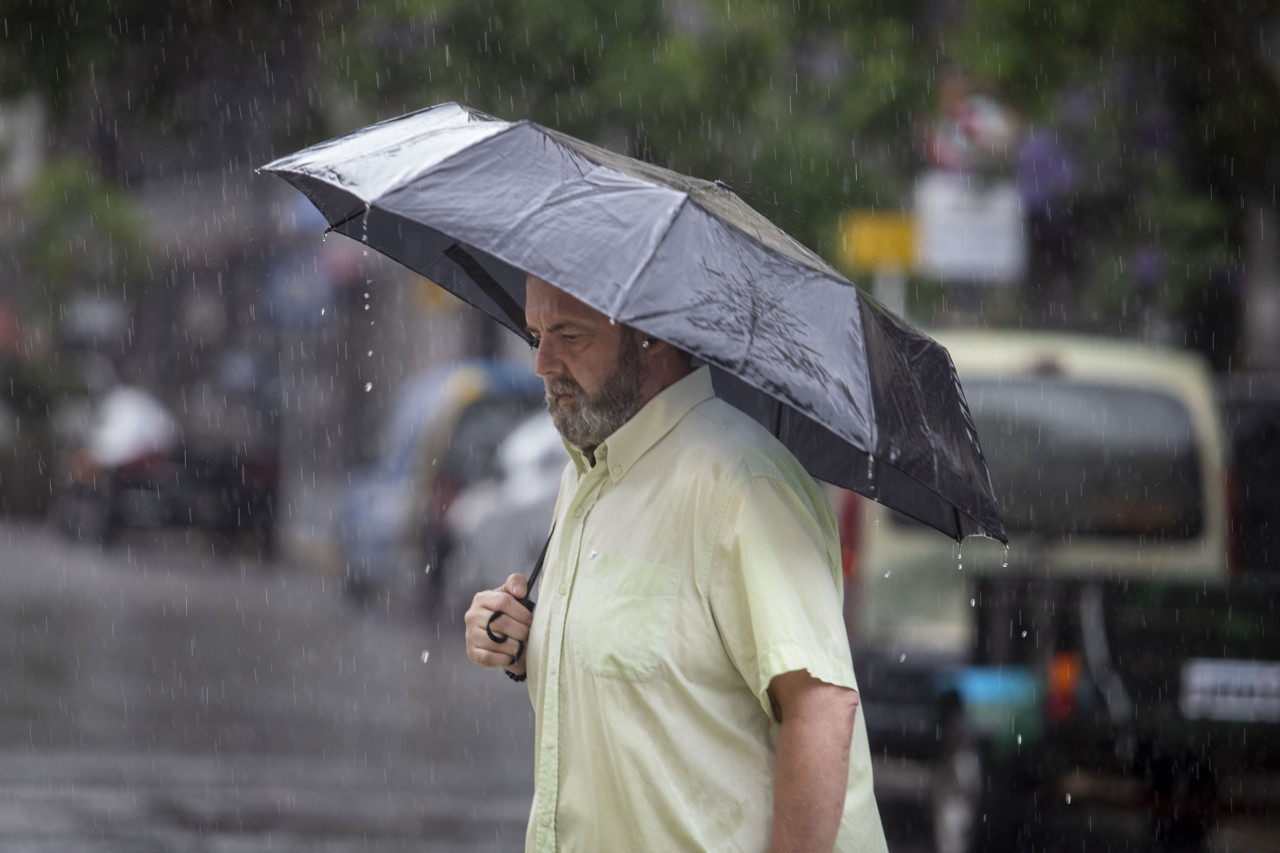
(687, 663)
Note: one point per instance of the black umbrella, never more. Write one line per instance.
(473, 203)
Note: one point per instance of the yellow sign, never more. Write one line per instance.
(433, 299)
(877, 242)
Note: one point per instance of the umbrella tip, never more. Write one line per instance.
(722, 185)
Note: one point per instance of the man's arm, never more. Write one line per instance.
(812, 769)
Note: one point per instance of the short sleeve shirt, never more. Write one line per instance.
(690, 565)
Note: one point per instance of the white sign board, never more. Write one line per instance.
(968, 229)
(1243, 691)
(22, 143)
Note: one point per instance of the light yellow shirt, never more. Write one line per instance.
(693, 563)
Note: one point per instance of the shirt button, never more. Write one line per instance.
(545, 820)
(617, 470)
(577, 513)
(564, 590)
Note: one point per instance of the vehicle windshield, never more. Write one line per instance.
(1071, 458)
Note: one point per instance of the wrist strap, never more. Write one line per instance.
(528, 602)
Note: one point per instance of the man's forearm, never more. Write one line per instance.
(812, 770)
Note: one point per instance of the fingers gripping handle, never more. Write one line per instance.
(502, 638)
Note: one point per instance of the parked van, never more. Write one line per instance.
(1109, 463)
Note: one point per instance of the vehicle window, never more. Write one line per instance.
(472, 451)
(1095, 460)
(415, 410)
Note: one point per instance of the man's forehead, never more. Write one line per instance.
(543, 298)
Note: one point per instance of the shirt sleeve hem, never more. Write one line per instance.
(791, 658)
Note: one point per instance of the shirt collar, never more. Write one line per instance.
(655, 419)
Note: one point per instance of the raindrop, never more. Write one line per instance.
(426, 655)
(1068, 799)
(368, 386)
(1004, 560)
(1024, 635)
(369, 353)
(902, 658)
(1019, 740)
(973, 602)
(886, 574)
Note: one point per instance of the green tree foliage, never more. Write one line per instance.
(1168, 107)
(805, 109)
(77, 232)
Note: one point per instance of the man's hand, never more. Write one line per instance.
(812, 769)
(513, 623)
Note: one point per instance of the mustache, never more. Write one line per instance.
(563, 386)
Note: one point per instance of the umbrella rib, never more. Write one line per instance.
(657, 244)
(335, 226)
(488, 285)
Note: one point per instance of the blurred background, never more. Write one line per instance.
(978, 163)
(181, 349)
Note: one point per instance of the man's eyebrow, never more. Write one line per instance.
(552, 329)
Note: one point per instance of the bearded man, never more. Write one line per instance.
(687, 663)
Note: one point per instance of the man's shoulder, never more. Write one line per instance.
(727, 438)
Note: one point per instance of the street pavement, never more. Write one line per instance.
(157, 697)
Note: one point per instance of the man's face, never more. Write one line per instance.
(591, 367)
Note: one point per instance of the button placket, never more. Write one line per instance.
(558, 611)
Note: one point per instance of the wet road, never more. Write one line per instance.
(155, 697)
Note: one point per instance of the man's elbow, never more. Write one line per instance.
(845, 708)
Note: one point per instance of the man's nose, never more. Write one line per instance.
(546, 362)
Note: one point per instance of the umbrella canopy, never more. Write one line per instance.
(474, 203)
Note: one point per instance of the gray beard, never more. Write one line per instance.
(596, 418)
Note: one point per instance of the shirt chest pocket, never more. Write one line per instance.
(622, 616)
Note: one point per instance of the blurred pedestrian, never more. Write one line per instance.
(687, 660)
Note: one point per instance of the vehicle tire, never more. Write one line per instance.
(970, 813)
(358, 589)
(433, 585)
(1186, 790)
(264, 533)
(86, 515)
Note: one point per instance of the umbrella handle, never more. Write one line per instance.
(502, 638)
(526, 601)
